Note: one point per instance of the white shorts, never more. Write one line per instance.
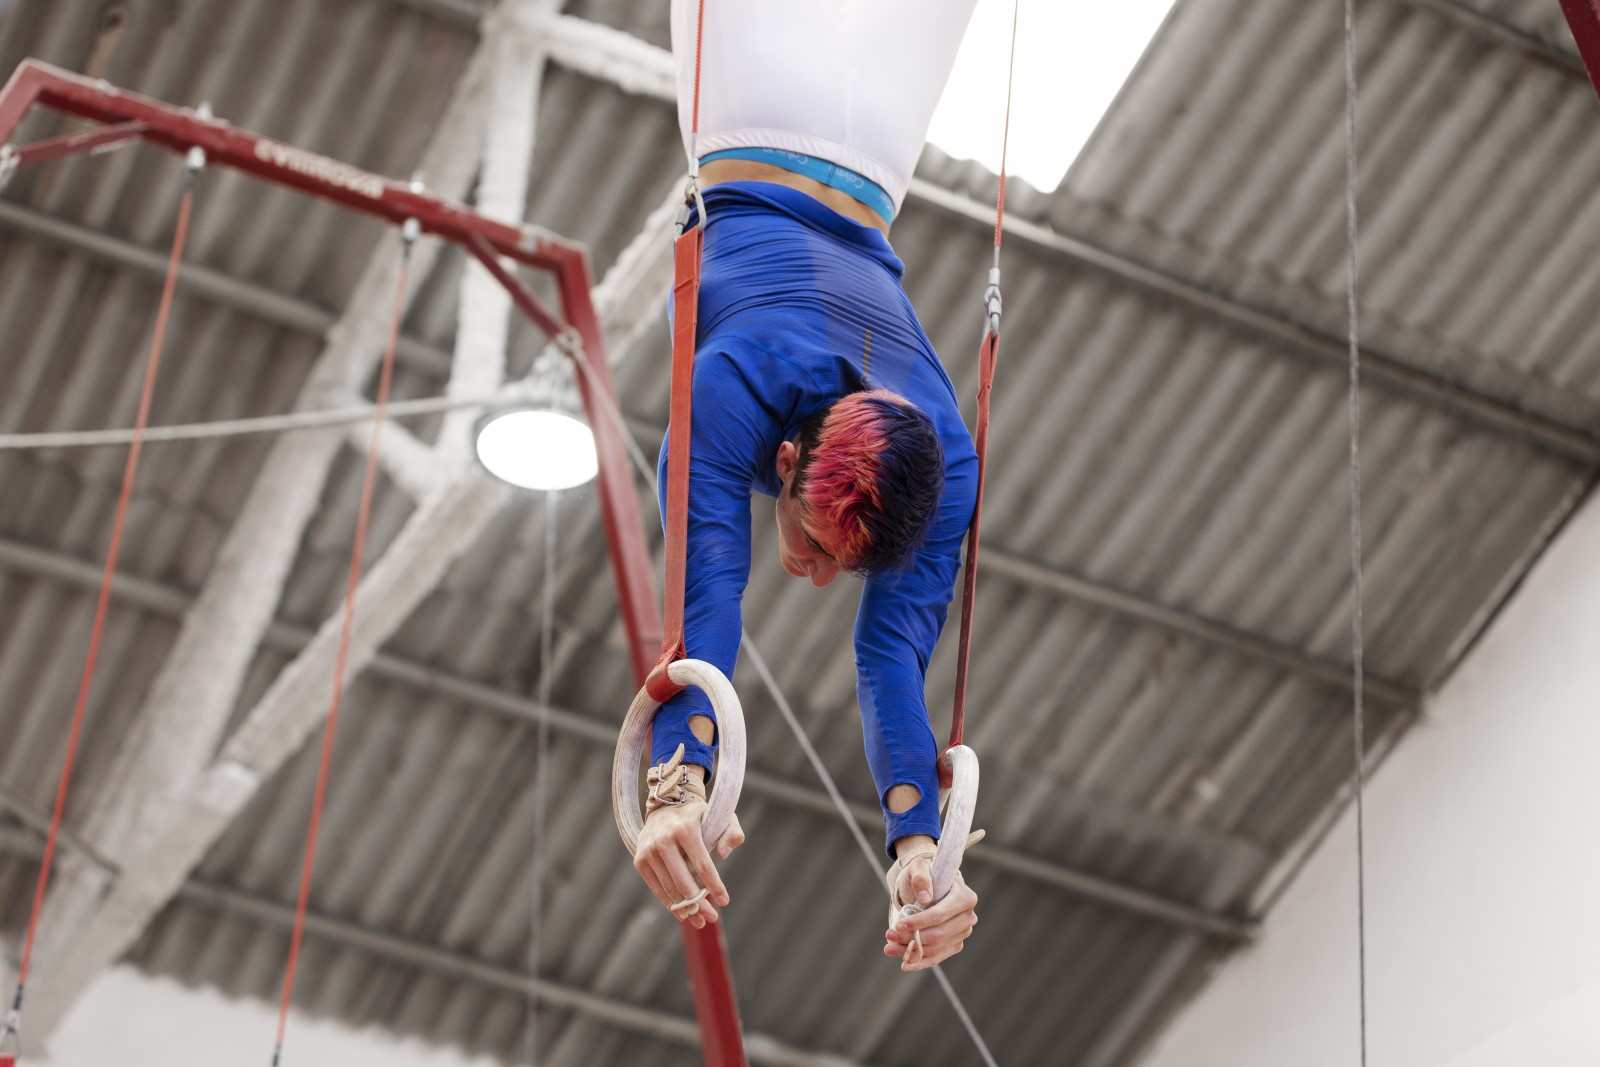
(853, 82)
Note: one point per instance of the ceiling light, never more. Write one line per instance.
(543, 443)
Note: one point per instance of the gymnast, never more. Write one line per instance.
(815, 384)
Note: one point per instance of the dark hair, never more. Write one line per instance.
(869, 477)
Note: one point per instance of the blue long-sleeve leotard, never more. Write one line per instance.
(789, 290)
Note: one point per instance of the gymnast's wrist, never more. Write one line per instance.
(913, 843)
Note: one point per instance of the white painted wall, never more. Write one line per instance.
(1483, 873)
(129, 1020)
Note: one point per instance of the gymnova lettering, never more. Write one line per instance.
(320, 168)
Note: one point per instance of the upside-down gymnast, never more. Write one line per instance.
(815, 384)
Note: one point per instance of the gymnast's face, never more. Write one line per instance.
(801, 554)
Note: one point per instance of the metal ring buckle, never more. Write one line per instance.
(11, 1036)
(9, 158)
(991, 301)
(694, 204)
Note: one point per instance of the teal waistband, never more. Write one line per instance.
(843, 179)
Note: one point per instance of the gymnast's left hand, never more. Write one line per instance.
(675, 863)
(945, 926)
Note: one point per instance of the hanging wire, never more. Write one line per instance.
(770, 680)
(11, 1029)
(1005, 135)
(369, 483)
(261, 424)
(1357, 650)
(540, 763)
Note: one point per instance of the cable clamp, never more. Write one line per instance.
(570, 342)
(8, 164)
(11, 1034)
(693, 203)
(196, 160)
(991, 301)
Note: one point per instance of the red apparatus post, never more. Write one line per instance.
(1583, 16)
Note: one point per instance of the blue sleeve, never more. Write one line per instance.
(897, 626)
(743, 398)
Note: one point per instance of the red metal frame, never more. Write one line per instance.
(127, 115)
(1583, 16)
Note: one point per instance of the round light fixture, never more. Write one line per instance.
(537, 448)
(542, 444)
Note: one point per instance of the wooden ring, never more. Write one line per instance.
(958, 803)
(626, 805)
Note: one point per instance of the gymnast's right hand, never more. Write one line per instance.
(673, 858)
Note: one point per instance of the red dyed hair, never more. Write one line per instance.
(869, 478)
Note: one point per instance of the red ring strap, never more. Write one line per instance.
(988, 357)
(685, 326)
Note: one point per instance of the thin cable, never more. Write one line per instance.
(1357, 650)
(1005, 136)
(540, 762)
(368, 484)
(771, 682)
(261, 424)
(102, 605)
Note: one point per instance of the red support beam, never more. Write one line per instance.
(619, 503)
(1583, 16)
(181, 129)
(101, 139)
(128, 115)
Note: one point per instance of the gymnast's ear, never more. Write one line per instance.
(788, 460)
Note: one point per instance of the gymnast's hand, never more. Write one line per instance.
(944, 926)
(675, 863)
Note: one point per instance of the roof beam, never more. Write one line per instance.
(1198, 627)
(161, 599)
(1432, 389)
(1505, 33)
(478, 365)
(462, 13)
(647, 1022)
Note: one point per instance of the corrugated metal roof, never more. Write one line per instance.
(1143, 444)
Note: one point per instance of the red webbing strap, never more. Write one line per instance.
(102, 605)
(354, 580)
(685, 320)
(685, 324)
(988, 356)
